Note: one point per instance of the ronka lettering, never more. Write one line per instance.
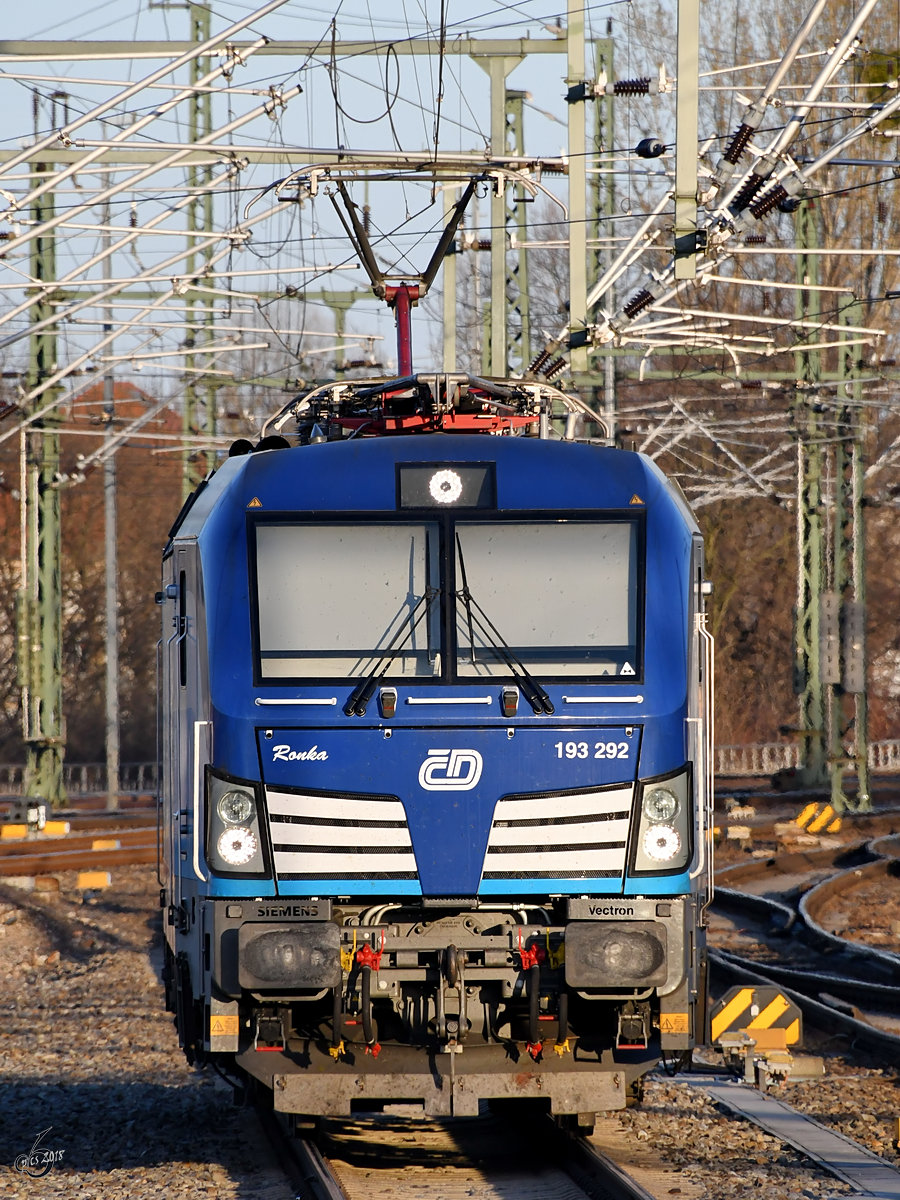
(286, 754)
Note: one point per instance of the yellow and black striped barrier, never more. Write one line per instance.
(818, 818)
(763, 1015)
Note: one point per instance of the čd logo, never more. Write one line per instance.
(450, 770)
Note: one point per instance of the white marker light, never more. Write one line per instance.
(445, 487)
(236, 846)
(661, 843)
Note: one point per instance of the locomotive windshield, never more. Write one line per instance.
(447, 599)
(332, 599)
(562, 596)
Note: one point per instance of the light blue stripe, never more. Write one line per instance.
(659, 885)
(245, 888)
(669, 885)
(349, 887)
(549, 887)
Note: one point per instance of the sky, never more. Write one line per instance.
(389, 102)
(385, 102)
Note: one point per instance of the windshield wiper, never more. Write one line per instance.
(532, 691)
(358, 700)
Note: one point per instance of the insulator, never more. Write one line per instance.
(538, 362)
(749, 188)
(367, 219)
(638, 302)
(738, 144)
(766, 203)
(577, 93)
(558, 364)
(650, 148)
(632, 87)
(755, 239)
(483, 244)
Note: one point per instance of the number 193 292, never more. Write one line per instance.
(584, 750)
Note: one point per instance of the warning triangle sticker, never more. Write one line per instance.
(255, 503)
(627, 669)
(635, 499)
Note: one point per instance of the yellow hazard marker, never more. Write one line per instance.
(827, 820)
(803, 818)
(818, 818)
(56, 829)
(11, 833)
(738, 1004)
(762, 1013)
(255, 503)
(88, 880)
(635, 499)
(106, 844)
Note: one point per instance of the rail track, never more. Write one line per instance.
(77, 1014)
(770, 926)
(530, 1158)
(388, 1155)
(95, 841)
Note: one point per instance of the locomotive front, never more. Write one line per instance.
(437, 800)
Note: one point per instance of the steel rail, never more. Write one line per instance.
(833, 1002)
(49, 862)
(824, 1016)
(300, 1160)
(615, 1182)
(814, 902)
(79, 842)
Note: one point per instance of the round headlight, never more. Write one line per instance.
(445, 487)
(660, 804)
(237, 846)
(235, 808)
(661, 843)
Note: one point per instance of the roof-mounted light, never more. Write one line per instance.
(447, 485)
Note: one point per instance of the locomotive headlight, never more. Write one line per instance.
(661, 843)
(661, 826)
(660, 804)
(237, 846)
(235, 807)
(236, 842)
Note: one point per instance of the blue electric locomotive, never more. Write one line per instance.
(436, 741)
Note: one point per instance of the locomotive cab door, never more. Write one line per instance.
(186, 736)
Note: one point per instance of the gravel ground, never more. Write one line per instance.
(88, 1055)
(870, 913)
(716, 1156)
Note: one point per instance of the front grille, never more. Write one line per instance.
(327, 836)
(553, 835)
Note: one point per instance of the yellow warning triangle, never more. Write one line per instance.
(635, 499)
(255, 503)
